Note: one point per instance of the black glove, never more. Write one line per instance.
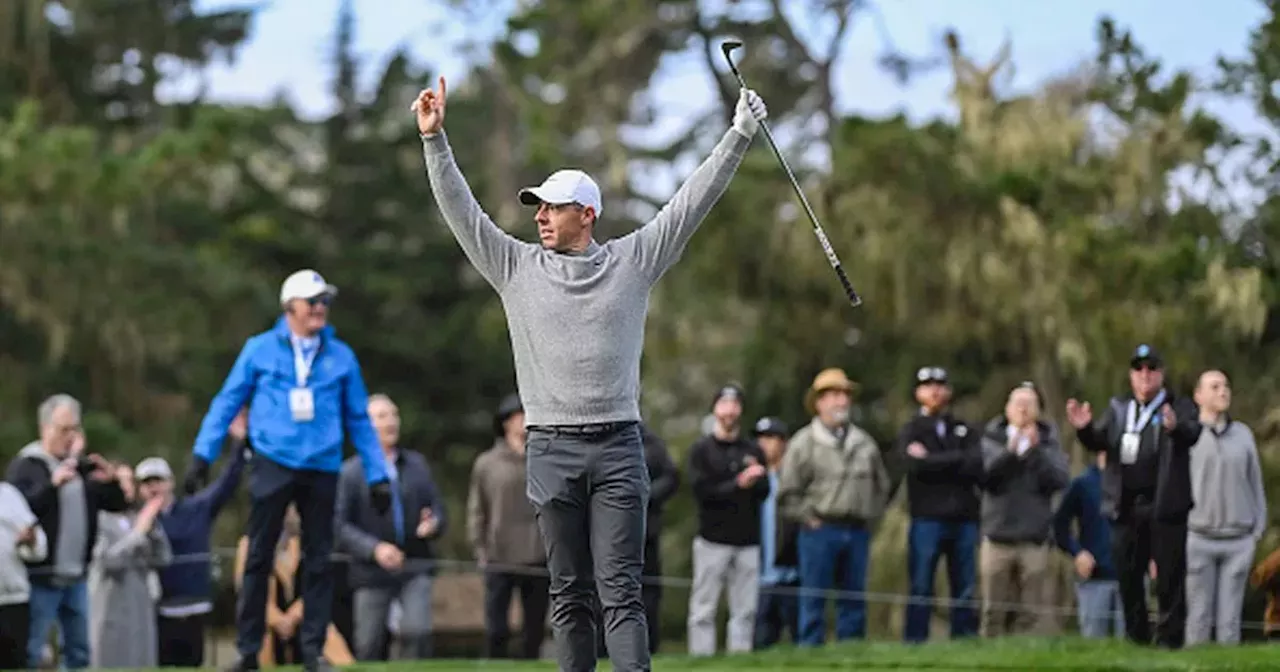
(197, 475)
(380, 496)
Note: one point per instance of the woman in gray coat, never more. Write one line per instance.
(130, 547)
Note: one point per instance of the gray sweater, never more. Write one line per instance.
(577, 320)
(1226, 484)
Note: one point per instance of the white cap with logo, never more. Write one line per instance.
(153, 467)
(564, 186)
(305, 284)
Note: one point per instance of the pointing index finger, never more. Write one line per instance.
(442, 89)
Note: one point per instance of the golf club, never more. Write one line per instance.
(854, 299)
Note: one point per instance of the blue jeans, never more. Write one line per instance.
(827, 553)
(69, 606)
(927, 541)
(1099, 608)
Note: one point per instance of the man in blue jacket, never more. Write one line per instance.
(1098, 603)
(306, 395)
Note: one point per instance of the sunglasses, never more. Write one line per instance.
(1145, 366)
(931, 374)
(323, 299)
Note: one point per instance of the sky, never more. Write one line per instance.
(290, 40)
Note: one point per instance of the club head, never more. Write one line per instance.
(727, 48)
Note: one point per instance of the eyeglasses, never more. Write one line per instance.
(1144, 366)
(323, 299)
(931, 374)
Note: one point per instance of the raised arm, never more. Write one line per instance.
(491, 250)
(236, 390)
(658, 244)
(217, 494)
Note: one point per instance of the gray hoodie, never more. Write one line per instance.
(16, 516)
(1018, 489)
(72, 544)
(1226, 484)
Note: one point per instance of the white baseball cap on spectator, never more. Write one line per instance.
(564, 186)
(305, 284)
(153, 468)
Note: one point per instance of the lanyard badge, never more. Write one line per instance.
(301, 402)
(1135, 423)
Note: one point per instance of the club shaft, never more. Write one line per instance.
(804, 201)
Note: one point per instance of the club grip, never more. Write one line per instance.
(854, 299)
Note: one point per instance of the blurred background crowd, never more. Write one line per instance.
(1033, 228)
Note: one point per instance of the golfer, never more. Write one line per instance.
(306, 395)
(576, 311)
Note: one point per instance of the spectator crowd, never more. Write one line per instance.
(115, 558)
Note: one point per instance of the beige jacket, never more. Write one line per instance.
(823, 479)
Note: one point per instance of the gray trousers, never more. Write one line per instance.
(372, 605)
(590, 489)
(715, 567)
(1217, 574)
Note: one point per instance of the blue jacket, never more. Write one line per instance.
(1082, 504)
(263, 375)
(189, 526)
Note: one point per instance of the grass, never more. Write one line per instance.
(1024, 655)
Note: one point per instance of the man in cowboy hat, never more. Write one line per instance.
(834, 483)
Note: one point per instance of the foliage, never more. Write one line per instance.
(1041, 236)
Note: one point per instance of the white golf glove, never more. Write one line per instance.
(749, 112)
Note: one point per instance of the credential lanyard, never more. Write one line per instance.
(1135, 422)
(302, 362)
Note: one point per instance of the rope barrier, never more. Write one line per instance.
(666, 581)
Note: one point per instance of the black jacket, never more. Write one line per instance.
(945, 485)
(360, 528)
(34, 479)
(664, 479)
(1162, 473)
(727, 514)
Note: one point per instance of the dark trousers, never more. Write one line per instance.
(1136, 540)
(15, 627)
(499, 588)
(927, 541)
(272, 488)
(650, 594)
(590, 489)
(181, 640)
(777, 609)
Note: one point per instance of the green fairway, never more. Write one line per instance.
(1006, 654)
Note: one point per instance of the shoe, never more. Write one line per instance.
(319, 665)
(249, 664)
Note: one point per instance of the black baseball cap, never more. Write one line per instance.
(509, 406)
(1145, 354)
(931, 374)
(771, 426)
(730, 391)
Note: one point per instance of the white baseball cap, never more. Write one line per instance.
(305, 284)
(153, 467)
(564, 186)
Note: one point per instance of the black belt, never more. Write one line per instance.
(591, 429)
